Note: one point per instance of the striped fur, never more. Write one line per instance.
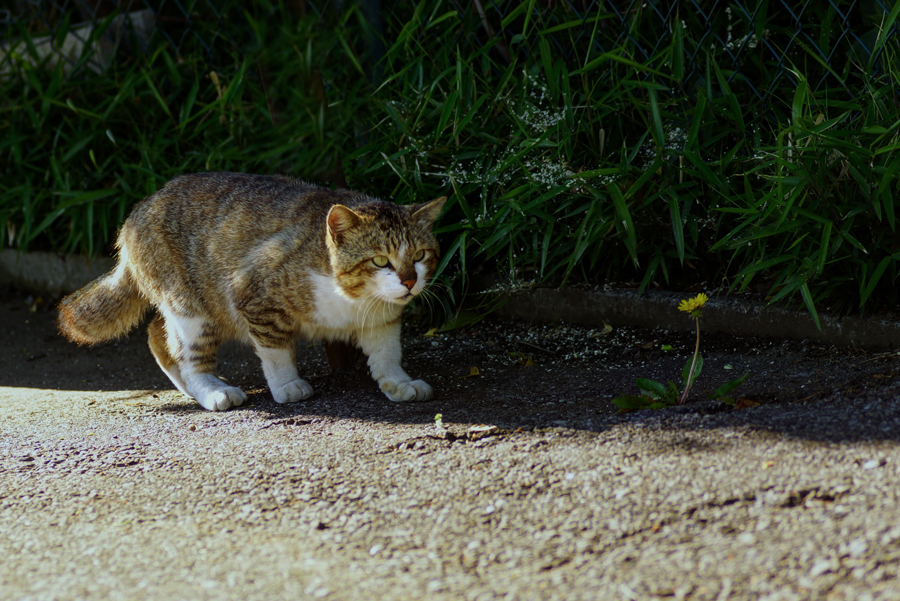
(265, 260)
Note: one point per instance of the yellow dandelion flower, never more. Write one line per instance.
(693, 304)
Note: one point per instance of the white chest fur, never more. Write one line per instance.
(339, 315)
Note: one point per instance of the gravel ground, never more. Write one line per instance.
(112, 485)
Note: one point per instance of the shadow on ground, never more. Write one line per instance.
(530, 376)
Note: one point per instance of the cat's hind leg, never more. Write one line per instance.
(156, 338)
(185, 348)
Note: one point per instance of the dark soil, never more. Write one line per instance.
(529, 375)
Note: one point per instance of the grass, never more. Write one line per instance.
(637, 159)
(78, 148)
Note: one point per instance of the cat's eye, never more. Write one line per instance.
(380, 261)
(420, 254)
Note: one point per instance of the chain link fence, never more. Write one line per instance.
(747, 38)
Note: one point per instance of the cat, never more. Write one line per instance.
(265, 260)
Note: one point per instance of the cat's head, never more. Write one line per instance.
(383, 250)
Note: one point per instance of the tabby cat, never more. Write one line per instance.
(265, 260)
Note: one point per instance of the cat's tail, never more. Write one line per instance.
(107, 308)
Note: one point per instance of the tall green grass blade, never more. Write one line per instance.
(62, 31)
(677, 227)
(625, 220)
(676, 50)
(810, 305)
(520, 9)
(884, 30)
(148, 81)
(824, 246)
(656, 120)
(614, 55)
(528, 12)
(876, 277)
(76, 148)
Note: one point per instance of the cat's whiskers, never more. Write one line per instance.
(362, 312)
(428, 296)
(432, 289)
(367, 311)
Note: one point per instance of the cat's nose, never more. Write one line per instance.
(407, 278)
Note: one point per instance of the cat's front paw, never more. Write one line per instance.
(293, 391)
(223, 399)
(413, 390)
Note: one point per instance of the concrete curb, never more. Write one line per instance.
(727, 315)
(48, 273)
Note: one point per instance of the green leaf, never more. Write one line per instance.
(651, 387)
(614, 55)
(625, 219)
(79, 198)
(676, 50)
(632, 402)
(885, 30)
(810, 305)
(677, 227)
(528, 12)
(148, 81)
(727, 387)
(687, 368)
(873, 281)
(62, 30)
(656, 119)
(76, 148)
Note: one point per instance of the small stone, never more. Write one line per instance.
(747, 538)
(858, 547)
(819, 568)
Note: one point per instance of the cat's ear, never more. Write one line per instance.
(340, 220)
(429, 211)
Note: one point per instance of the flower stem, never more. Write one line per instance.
(687, 385)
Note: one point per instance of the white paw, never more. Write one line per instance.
(413, 390)
(293, 391)
(222, 399)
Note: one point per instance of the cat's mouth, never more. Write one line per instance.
(402, 300)
(388, 299)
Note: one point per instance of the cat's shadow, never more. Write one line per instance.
(572, 396)
(563, 398)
